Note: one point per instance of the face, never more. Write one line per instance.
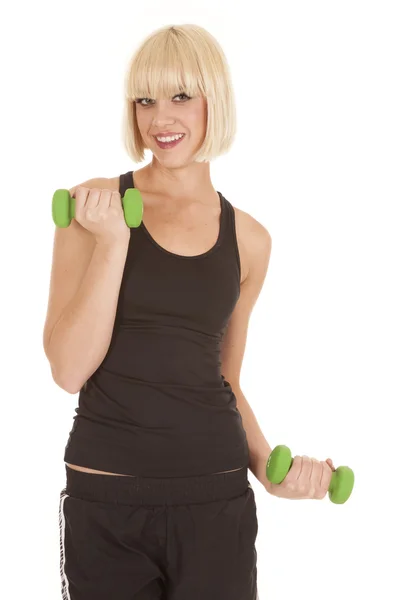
(178, 115)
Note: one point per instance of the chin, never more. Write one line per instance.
(174, 161)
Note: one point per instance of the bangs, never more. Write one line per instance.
(166, 66)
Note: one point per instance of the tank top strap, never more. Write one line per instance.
(230, 235)
(125, 182)
(229, 220)
(227, 214)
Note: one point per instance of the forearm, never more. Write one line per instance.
(81, 337)
(259, 448)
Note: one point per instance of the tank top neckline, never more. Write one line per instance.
(195, 256)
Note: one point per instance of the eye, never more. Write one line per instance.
(140, 101)
(185, 95)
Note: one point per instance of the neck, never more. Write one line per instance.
(187, 181)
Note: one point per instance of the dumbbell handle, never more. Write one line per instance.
(280, 462)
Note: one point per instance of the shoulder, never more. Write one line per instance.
(254, 241)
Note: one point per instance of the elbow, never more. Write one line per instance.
(69, 385)
(64, 382)
(71, 389)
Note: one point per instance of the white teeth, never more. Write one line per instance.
(170, 138)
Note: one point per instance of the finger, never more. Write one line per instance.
(105, 198)
(72, 191)
(306, 470)
(115, 199)
(303, 483)
(325, 479)
(315, 478)
(294, 471)
(81, 196)
(93, 198)
(81, 193)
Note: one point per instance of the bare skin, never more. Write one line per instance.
(187, 226)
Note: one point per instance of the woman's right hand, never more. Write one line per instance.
(100, 211)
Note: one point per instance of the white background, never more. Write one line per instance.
(316, 160)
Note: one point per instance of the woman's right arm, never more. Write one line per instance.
(85, 282)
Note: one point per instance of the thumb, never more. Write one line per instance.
(330, 463)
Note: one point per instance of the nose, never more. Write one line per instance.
(162, 113)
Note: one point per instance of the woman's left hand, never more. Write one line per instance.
(308, 478)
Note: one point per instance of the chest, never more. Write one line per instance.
(189, 231)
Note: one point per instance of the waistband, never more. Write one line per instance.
(118, 489)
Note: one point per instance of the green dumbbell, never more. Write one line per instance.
(279, 464)
(63, 208)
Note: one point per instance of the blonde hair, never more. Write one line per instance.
(176, 59)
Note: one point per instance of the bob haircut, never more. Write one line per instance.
(181, 59)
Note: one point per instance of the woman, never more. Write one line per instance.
(149, 326)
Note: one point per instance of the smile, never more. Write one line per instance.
(167, 145)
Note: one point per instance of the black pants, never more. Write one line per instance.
(140, 538)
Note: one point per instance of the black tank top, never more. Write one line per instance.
(158, 405)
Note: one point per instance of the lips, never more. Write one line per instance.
(166, 145)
